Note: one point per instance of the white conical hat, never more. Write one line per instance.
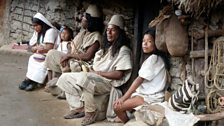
(117, 20)
(42, 18)
(93, 10)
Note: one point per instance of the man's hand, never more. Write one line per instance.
(64, 59)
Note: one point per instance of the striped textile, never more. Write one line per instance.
(184, 97)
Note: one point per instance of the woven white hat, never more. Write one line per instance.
(93, 10)
(42, 18)
(117, 20)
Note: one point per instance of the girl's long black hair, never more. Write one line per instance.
(44, 28)
(70, 32)
(163, 55)
(121, 41)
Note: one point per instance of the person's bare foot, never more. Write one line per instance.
(117, 120)
(46, 89)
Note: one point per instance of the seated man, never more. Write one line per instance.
(84, 45)
(111, 67)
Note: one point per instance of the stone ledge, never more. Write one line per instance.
(7, 49)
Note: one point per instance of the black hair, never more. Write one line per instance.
(70, 32)
(122, 40)
(44, 28)
(94, 23)
(150, 31)
(163, 55)
(56, 25)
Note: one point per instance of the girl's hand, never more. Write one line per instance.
(40, 49)
(34, 49)
(118, 103)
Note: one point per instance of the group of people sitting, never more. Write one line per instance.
(92, 63)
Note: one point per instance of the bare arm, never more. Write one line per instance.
(44, 49)
(34, 48)
(137, 82)
(115, 75)
(90, 53)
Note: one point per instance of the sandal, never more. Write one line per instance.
(61, 96)
(46, 89)
(79, 115)
(52, 83)
(31, 86)
(74, 114)
(24, 84)
(89, 118)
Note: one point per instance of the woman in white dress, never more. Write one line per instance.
(44, 37)
(149, 86)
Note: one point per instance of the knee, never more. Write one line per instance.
(61, 80)
(64, 77)
(50, 52)
(48, 56)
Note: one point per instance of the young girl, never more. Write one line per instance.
(64, 46)
(66, 37)
(149, 85)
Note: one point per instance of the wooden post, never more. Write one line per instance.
(192, 60)
(211, 117)
(22, 35)
(206, 58)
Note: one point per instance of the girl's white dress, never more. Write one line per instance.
(154, 73)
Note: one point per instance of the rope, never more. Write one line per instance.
(215, 76)
(213, 102)
(210, 77)
(83, 64)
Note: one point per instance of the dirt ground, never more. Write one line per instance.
(22, 108)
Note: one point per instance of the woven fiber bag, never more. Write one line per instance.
(160, 39)
(176, 37)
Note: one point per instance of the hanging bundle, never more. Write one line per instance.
(176, 37)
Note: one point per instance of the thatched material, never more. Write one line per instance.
(197, 7)
(163, 14)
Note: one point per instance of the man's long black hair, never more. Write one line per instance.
(94, 23)
(121, 41)
(163, 55)
(44, 28)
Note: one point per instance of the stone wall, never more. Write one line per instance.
(179, 71)
(22, 11)
(67, 12)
